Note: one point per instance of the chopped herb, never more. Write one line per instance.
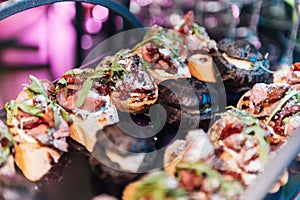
(253, 127)
(261, 64)
(227, 187)
(169, 39)
(57, 119)
(65, 115)
(36, 86)
(289, 94)
(62, 81)
(159, 186)
(84, 92)
(13, 106)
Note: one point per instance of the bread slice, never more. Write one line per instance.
(136, 103)
(201, 67)
(160, 75)
(35, 160)
(173, 155)
(129, 191)
(84, 130)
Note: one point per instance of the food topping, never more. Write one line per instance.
(196, 36)
(163, 49)
(36, 118)
(197, 176)
(159, 186)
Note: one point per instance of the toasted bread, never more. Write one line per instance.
(135, 103)
(201, 67)
(35, 160)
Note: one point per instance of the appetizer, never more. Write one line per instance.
(277, 105)
(196, 38)
(293, 76)
(199, 45)
(132, 88)
(86, 96)
(156, 185)
(241, 65)
(241, 146)
(203, 182)
(39, 127)
(165, 52)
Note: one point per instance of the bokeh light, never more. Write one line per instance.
(100, 13)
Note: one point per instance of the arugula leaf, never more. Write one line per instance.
(98, 73)
(13, 106)
(29, 109)
(56, 117)
(36, 86)
(227, 186)
(253, 126)
(84, 92)
(261, 64)
(289, 95)
(169, 39)
(159, 186)
(65, 115)
(62, 81)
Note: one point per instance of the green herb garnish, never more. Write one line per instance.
(260, 64)
(84, 92)
(12, 108)
(159, 186)
(166, 38)
(253, 129)
(36, 86)
(227, 187)
(289, 94)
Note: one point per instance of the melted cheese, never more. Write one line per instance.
(242, 64)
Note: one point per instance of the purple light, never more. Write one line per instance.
(119, 22)
(92, 26)
(166, 3)
(235, 11)
(144, 2)
(211, 22)
(134, 7)
(86, 41)
(66, 9)
(100, 13)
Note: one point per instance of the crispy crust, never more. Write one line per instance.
(35, 160)
(161, 75)
(173, 155)
(129, 105)
(244, 101)
(129, 191)
(201, 67)
(84, 132)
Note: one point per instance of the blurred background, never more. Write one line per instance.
(48, 40)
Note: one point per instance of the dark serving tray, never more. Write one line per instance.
(72, 177)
